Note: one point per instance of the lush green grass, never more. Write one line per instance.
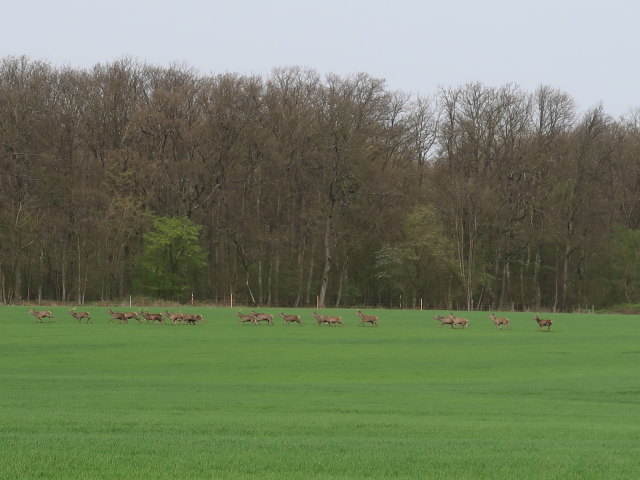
(406, 400)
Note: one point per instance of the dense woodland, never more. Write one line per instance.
(163, 183)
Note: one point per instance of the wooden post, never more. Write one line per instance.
(191, 298)
(231, 301)
(129, 299)
(420, 304)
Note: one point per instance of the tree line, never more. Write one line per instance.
(300, 189)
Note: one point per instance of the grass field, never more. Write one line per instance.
(405, 400)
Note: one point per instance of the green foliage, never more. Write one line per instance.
(172, 257)
(424, 254)
(626, 263)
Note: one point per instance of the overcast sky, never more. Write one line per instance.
(589, 49)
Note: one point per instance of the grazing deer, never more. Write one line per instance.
(246, 318)
(174, 317)
(372, 319)
(289, 319)
(446, 320)
(117, 316)
(458, 321)
(543, 323)
(40, 315)
(262, 316)
(80, 315)
(499, 322)
(152, 317)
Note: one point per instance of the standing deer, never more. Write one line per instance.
(80, 315)
(117, 316)
(40, 315)
(244, 318)
(263, 316)
(289, 319)
(543, 323)
(499, 322)
(446, 320)
(372, 319)
(458, 321)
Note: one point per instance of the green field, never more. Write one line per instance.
(405, 400)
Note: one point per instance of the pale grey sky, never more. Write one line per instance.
(586, 48)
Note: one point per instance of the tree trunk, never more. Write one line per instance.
(555, 299)
(63, 273)
(536, 278)
(565, 274)
(269, 277)
(343, 278)
(40, 262)
(18, 280)
(253, 300)
(300, 264)
(260, 289)
(3, 293)
(311, 269)
(79, 285)
(276, 280)
(327, 263)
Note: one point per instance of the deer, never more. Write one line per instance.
(174, 317)
(262, 316)
(41, 314)
(80, 315)
(543, 323)
(130, 315)
(244, 318)
(152, 317)
(320, 319)
(372, 319)
(191, 318)
(334, 321)
(117, 316)
(289, 319)
(327, 320)
(499, 322)
(458, 321)
(446, 320)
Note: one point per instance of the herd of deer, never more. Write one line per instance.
(255, 318)
(454, 321)
(124, 317)
(142, 316)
